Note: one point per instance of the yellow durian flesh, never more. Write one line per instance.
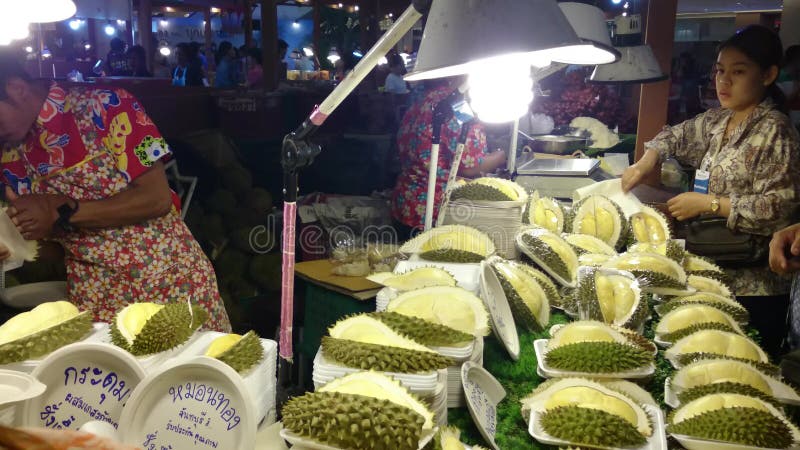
(372, 384)
(456, 241)
(563, 250)
(649, 261)
(720, 343)
(599, 223)
(416, 279)
(593, 259)
(371, 331)
(648, 228)
(530, 292)
(709, 285)
(616, 297)
(547, 214)
(450, 306)
(222, 344)
(132, 318)
(720, 371)
(717, 401)
(688, 315)
(39, 318)
(694, 264)
(584, 331)
(586, 397)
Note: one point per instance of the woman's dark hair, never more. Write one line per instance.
(117, 45)
(762, 46)
(11, 67)
(255, 53)
(222, 50)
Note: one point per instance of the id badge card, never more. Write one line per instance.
(701, 178)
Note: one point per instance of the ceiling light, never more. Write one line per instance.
(110, 30)
(308, 52)
(295, 24)
(215, 10)
(165, 51)
(120, 22)
(43, 11)
(29, 49)
(164, 22)
(74, 24)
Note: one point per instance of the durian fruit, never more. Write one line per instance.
(587, 413)
(414, 279)
(448, 438)
(736, 419)
(145, 328)
(526, 297)
(710, 285)
(367, 343)
(544, 212)
(239, 352)
(45, 328)
(734, 376)
(611, 297)
(490, 189)
(453, 307)
(550, 252)
(545, 282)
(690, 358)
(671, 249)
(594, 347)
(718, 342)
(600, 217)
(426, 333)
(649, 226)
(656, 273)
(584, 243)
(724, 388)
(725, 304)
(696, 265)
(364, 410)
(684, 320)
(593, 259)
(451, 243)
(631, 389)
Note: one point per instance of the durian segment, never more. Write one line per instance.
(734, 418)
(239, 352)
(448, 438)
(632, 390)
(584, 331)
(598, 358)
(350, 421)
(725, 304)
(587, 394)
(145, 328)
(690, 358)
(451, 243)
(383, 358)
(454, 307)
(490, 189)
(655, 273)
(725, 387)
(712, 371)
(692, 315)
(584, 243)
(696, 265)
(426, 333)
(562, 422)
(709, 285)
(376, 385)
(600, 217)
(544, 212)
(593, 259)
(611, 297)
(545, 282)
(671, 249)
(526, 297)
(650, 226)
(415, 279)
(368, 330)
(718, 343)
(551, 252)
(45, 328)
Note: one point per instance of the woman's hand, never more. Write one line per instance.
(34, 214)
(5, 253)
(634, 174)
(689, 205)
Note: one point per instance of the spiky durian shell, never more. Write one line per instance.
(588, 300)
(685, 359)
(588, 206)
(551, 252)
(451, 243)
(545, 282)
(731, 307)
(244, 354)
(582, 426)
(47, 340)
(598, 357)
(479, 192)
(536, 213)
(584, 243)
(709, 285)
(649, 226)
(683, 332)
(381, 358)
(170, 327)
(353, 421)
(422, 331)
(720, 343)
(704, 267)
(655, 273)
(725, 387)
(740, 425)
(509, 274)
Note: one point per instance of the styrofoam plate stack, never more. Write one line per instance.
(422, 385)
(438, 403)
(383, 298)
(260, 381)
(455, 392)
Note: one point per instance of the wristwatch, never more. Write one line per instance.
(715, 204)
(65, 213)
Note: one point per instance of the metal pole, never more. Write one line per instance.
(511, 162)
(432, 169)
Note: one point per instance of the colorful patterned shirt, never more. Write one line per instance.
(757, 168)
(90, 144)
(414, 144)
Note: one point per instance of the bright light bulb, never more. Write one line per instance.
(87, 46)
(110, 30)
(164, 22)
(355, 8)
(295, 24)
(29, 49)
(42, 11)
(120, 22)
(74, 24)
(383, 61)
(616, 2)
(165, 51)
(308, 52)
(333, 58)
(500, 93)
(12, 30)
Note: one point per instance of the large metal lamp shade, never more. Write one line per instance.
(589, 22)
(637, 65)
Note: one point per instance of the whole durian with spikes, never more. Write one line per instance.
(544, 212)
(576, 410)
(594, 347)
(550, 252)
(716, 342)
(453, 307)
(650, 226)
(364, 410)
(725, 304)
(686, 319)
(45, 328)
(610, 297)
(414, 279)
(490, 189)
(600, 217)
(239, 352)
(366, 343)
(736, 419)
(145, 328)
(527, 298)
(656, 273)
(451, 243)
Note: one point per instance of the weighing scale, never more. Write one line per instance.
(559, 178)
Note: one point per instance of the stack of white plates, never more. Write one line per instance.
(500, 220)
(439, 401)
(383, 298)
(455, 392)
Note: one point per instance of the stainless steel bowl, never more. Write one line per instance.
(557, 145)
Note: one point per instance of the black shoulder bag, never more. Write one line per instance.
(709, 236)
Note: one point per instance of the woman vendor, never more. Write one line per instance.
(83, 168)
(747, 150)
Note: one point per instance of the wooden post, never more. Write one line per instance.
(91, 28)
(248, 24)
(659, 33)
(208, 38)
(317, 25)
(269, 43)
(144, 25)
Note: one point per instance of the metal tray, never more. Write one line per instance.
(557, 144)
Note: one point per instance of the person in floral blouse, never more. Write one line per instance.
(751, 154)
(414, 144)
(83, 168)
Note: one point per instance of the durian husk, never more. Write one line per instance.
(244, 354)
(426, 333)
(382, 358)
(47, 340)
(170, 327)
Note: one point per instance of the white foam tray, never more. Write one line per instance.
(690, 443)
(300, 442)
(658, 440)
(540, 346)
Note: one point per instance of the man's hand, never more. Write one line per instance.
(689, 205)
(34, 214)
(784, 250)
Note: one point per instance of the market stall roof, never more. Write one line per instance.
(727, 6)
